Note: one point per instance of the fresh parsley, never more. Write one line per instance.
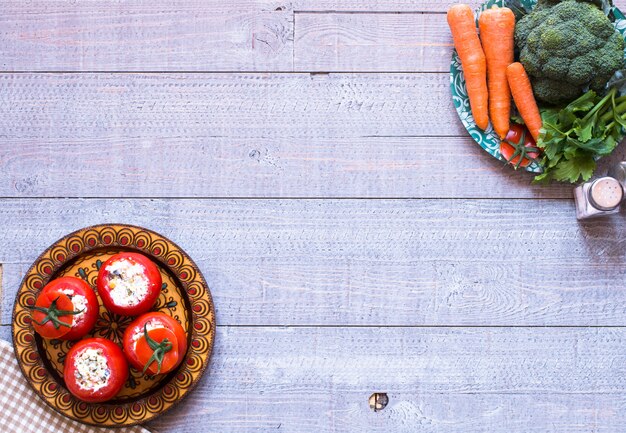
(572, 138)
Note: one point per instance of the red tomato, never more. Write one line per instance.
(158, 351)
(67, 308)
(518, 147)
(129, 284)
(153, 320)
(52, 314)
(95, 370)
(84, 299)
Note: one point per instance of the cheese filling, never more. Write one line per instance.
(128, 282)
(92, 371)
(79, 302)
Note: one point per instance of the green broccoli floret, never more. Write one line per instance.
(549, 3)
(567, 46)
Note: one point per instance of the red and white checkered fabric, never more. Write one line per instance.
(22, 411)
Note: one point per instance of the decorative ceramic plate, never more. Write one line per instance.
(488, 139)
(184, 296)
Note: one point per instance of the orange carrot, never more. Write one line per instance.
(522, 92)
(497, 26)
(467, 44)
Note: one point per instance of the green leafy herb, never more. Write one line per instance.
(573, 137)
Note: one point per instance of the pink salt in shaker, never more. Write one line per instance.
(600, 197)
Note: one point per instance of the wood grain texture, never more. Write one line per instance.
(182, 35)
(365, 262)
(257, 135)
(243, 35)
(386, 6)
(327, 6)
(417, 167)
(377, 6)
(144, 36)
(438, 380)
(387, 42)
(2, 305)
(147, 107)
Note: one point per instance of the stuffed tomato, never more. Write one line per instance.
(95, 370)
(67, 308)
(129, 284)
(155, 343)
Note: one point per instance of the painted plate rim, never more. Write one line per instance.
(487, 139)
(192, 367)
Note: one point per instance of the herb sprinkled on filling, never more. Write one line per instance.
(128, 282)
(92, 371)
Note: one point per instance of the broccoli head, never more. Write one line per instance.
(549, 3)
(566, 47)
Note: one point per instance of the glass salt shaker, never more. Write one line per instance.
(598, 198)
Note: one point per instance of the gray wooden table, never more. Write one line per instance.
(307, 155)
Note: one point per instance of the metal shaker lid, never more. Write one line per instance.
(606, 193)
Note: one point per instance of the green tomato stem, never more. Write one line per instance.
(53, 315)
(158, 350)
(522, 151)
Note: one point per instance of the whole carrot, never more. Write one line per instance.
(497, 26)
(467, 44)
(522, 92)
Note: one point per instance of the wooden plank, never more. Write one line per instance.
(437, 380)
(364, 262)
(442, 380)
(438, 6)
(161, 35)
(242, 35)
(391, 42)
(149, 107)
(146, 35)
(419, 167)
(3, 306)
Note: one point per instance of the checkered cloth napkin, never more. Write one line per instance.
(22, 411)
